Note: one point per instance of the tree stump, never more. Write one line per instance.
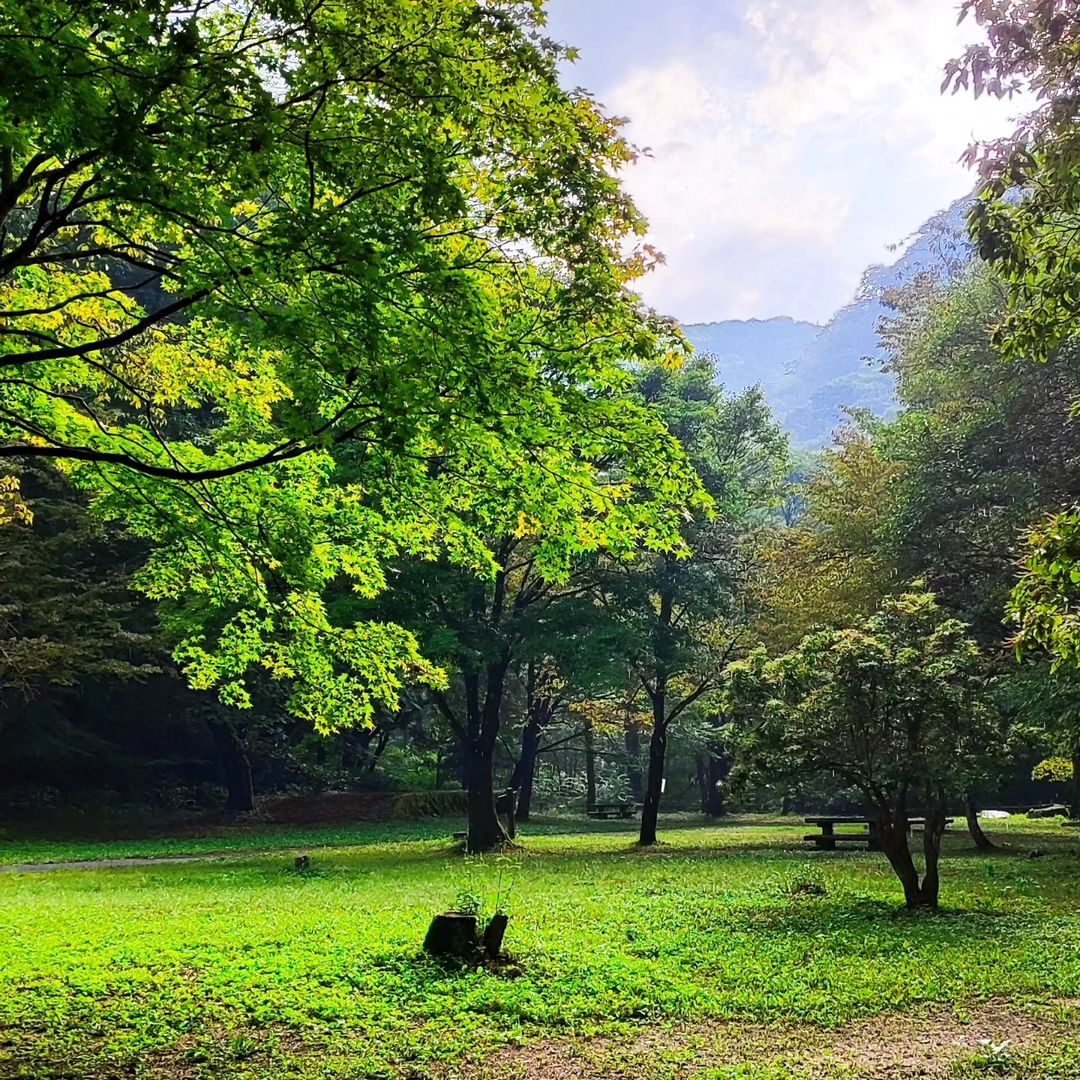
(493, 935)
(452, 934)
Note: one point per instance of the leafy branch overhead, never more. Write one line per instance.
(293, 289)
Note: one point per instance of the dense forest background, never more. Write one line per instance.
(887, 399)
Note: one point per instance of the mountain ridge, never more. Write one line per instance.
(810, 372)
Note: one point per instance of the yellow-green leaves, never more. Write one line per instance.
(306, 290)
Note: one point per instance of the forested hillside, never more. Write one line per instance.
(809, 373)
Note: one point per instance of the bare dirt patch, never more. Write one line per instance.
(923, 1045)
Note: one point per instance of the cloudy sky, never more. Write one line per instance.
(793, 141)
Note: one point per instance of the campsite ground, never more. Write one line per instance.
(730, 952)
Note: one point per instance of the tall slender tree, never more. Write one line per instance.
(684, 617)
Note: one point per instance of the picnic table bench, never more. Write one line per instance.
(827, 838)
(612, 810)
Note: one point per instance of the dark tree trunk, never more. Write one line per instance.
(539, 709)
(590, 767)
(476, 725)
(476, 748)
(717, 768)
(892, 826)
(525, 770)
(525, 793)
(374, 755)
(235, 767)
(1074, 800)
(894, 838)
(633, 760)
(898, 852)
(971, 812)
(485, 830)
(933, 831)
(654, 780)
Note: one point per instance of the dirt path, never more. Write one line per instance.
(927, 1045)
(106, 864)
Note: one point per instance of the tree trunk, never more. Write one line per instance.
(933, 831)
(525, 793)
(590, 767)
(633, 760)
(654, 781)
(235, 767)
(892, 825)
(525, 770)
(650, 809)
(539, 710)
(971, 812)
(893, 836)
(717, 768)
(1074, 800)
(374, 755)
(485, 830)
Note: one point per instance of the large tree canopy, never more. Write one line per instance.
(297, 287)
(1025, 221)
(1026, 226)
(320, 189)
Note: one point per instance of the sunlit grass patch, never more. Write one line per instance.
(320, 973)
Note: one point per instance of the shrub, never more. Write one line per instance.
(431, 803)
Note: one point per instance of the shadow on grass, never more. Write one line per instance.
(813, 916)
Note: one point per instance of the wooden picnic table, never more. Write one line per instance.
(827, 838)
(612, 810)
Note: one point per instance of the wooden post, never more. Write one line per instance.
(874, 837)
(506, 803)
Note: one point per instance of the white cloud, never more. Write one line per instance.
(792, 146)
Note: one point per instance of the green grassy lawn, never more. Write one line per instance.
(246, 968)
(124, 837)
(220, 839)
(24, 844)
